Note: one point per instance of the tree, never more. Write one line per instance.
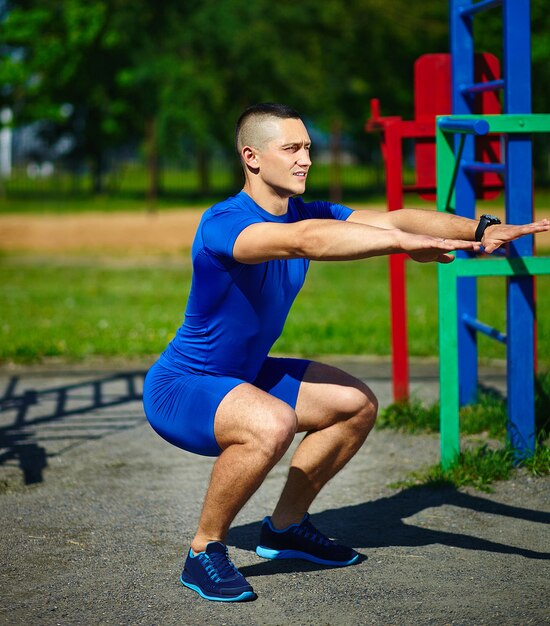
(58, 53)
(183, 71)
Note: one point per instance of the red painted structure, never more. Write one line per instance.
(432, 89)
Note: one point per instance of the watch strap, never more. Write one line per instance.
(484, 222)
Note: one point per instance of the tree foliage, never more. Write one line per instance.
(111, 70)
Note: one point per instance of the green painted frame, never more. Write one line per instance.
(447, 165)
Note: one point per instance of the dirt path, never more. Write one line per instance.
(164, 232)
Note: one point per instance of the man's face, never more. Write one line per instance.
(284, 162)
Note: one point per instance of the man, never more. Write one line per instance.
(215, 391)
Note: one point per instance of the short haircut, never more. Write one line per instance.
(247, 130)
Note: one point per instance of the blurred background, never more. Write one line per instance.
(116, 132)
(135, 100)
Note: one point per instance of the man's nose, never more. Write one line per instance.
(304, 158)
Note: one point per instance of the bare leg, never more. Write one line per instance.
(254, 430)
(337, 411)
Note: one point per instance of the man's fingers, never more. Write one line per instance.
(491, 247)
(460, 244)
(541, 225)
(499, 235)
(534, 227)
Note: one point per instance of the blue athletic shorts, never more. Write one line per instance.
(181, 406)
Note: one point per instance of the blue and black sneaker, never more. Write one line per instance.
(302, 541)
(214, 577)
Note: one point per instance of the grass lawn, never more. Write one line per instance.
(84, 308)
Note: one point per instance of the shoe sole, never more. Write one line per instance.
(243, 597)
(268, 553)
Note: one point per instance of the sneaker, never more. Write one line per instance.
(302, 541)
(214, 577)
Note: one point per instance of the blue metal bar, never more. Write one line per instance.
(519, 204)
(462, 73)
(479, 166)
(483, 328)
(480, 6)
(466, 127)
(490, 85)
(517, 56)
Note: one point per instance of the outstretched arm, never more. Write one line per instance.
(439, 224)
(333, 240)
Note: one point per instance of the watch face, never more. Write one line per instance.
(484, 222)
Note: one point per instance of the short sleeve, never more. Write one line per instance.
(221, 229)
(321, 210)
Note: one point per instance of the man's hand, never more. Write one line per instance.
(425, 249)
(499, 234)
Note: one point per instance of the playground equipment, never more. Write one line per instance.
(469, 166)
(432, 90)
(456, 169)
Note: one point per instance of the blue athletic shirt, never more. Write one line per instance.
(236, 311)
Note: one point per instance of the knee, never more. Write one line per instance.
(363, 406)
(276, 432)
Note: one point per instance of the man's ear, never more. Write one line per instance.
(250, 158)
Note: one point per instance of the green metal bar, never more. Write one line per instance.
(447, 310)
(448, 365)
(528, 123)
(513, 266)
(448, 334)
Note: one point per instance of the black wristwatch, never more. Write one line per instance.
(484, 222)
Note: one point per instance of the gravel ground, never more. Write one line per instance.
(97, 512)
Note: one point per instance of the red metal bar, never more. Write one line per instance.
(393, 154)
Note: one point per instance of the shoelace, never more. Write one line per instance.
(218, 565)
(308, 531)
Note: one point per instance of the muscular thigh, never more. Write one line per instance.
(328, 395)
(247, 413)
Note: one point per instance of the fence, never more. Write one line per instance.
(30, 170)
(30, 167)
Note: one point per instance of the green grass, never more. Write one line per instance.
(482, 465)
(344, 309)
(80, 307)
(487, 415)
(480, 468)
(52, 204)
(75, 312)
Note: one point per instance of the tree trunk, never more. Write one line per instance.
(335, 193)
(97, 172)
(153, 162)
(238, 174)
(203, 170)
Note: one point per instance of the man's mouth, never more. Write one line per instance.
(300, 174)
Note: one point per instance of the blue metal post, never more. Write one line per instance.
(462, 73)
(519, 209)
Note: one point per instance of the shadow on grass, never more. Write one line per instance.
(381, 523)
(38, 424)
